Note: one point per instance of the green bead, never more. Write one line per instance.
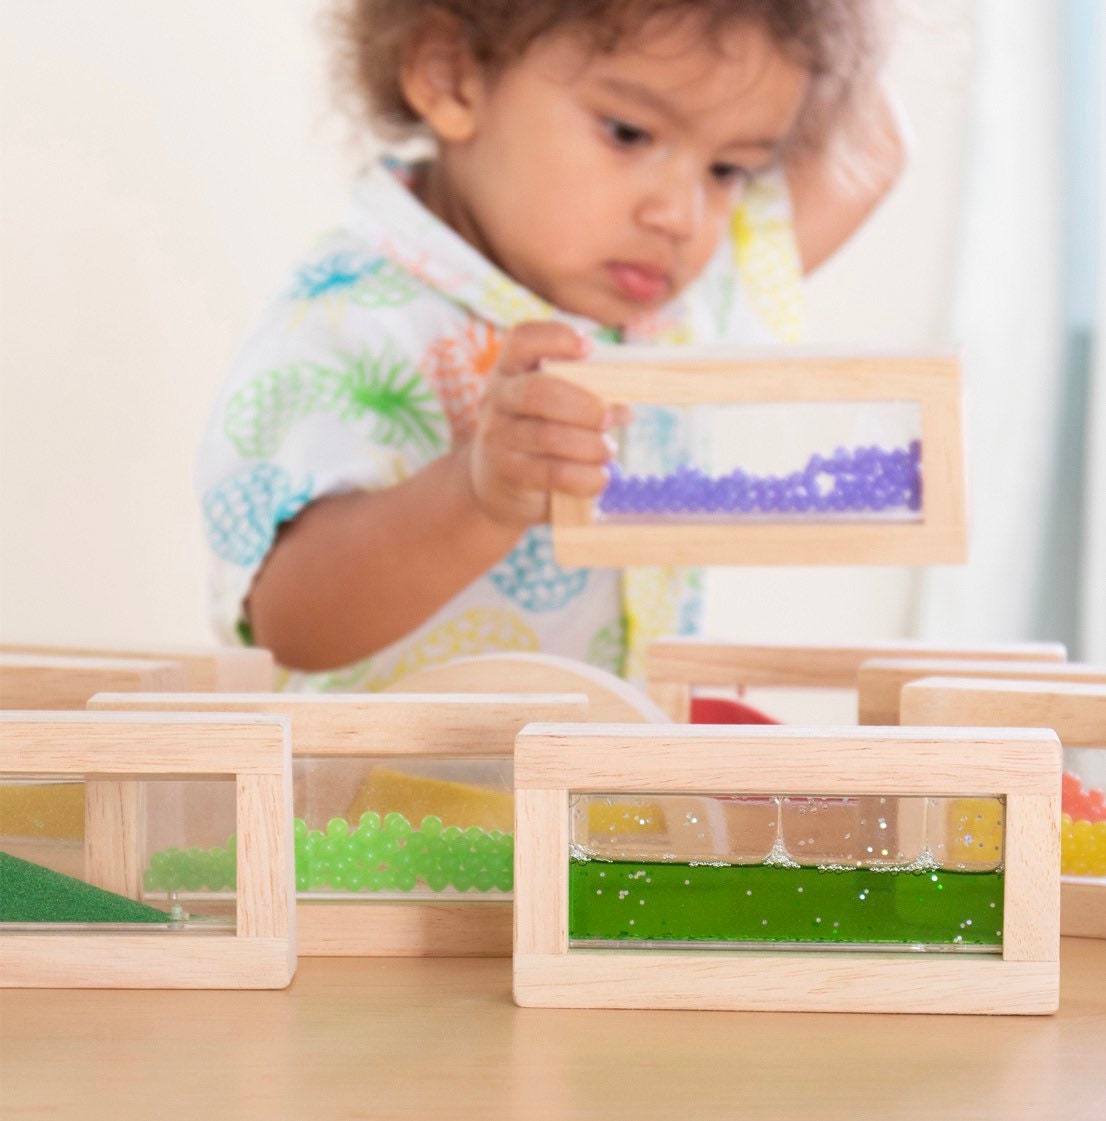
(387, 847)
(505, 881)
(303, 881)
(369, 821)
(437, 879)
(483, 880)
(315, 838)
(337, 828)
(330, 849)
(353, 879)
(431, 826)
(397, 824)
(451, 833)
(151, 881)
(461, 881)
(404, 879)
(374, 881)
(299, 829)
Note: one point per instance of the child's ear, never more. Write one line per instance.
(441, 80)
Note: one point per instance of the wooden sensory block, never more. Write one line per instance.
(1075, 711)
(56, 681)
(931, 383)
(881, 680)
(398, 728)
(553, 763)
(675, 667)
(216, 669)
(118, 755)
(611, 699)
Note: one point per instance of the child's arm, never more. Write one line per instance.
(827, 212)
(355, 572)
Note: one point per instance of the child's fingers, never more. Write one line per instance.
(547, 473)
(548, 398)
(528, 344)
(560, 441)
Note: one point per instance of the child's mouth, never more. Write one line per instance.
(641, 283)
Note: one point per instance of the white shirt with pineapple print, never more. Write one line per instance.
(370, 365)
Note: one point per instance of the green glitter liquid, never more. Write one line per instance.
(639, 901)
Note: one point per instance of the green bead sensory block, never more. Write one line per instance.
(375, 855)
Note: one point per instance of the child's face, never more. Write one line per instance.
(603, 182)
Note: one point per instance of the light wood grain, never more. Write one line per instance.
(706, 662)
(541, 881)
(553, 762)
(337, 725)
(880, 681)
(453, 725)
(433, 1038)
(1031, 843)
(228, 669)
(610, 699)
(754, 981)
(407, 928)
(1075, 711)
(931, 381)
(113, 749)
(800, 761)
(138, 744)
(42, 681)
(114, 824)
(1082, 909)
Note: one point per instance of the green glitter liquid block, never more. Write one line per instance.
(375, 855)
(615, 901)
(32, 893)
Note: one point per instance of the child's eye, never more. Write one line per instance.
(729, 174)
(625, 135)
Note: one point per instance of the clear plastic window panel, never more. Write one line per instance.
(56, 873)
(1083, 808)
(404, 828)
(719, 871)
(825, 461)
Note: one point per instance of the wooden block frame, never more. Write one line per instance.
(1075, 712)
(674, 667)
(66, 681)
(881, 680)
(214, 669)
(932, 382)
(118, 751)
(449, 726)
(553, 762)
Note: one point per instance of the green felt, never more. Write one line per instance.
(31, 893)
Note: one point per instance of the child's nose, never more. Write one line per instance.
(673, 204)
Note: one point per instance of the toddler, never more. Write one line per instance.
(375, 479)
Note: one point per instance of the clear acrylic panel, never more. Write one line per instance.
(723, 870)
(817, 461)
(1083, 806)
(61, 869)
(404, 828)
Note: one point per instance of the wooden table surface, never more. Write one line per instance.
(403, 1038)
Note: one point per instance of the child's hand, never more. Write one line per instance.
(536, 433)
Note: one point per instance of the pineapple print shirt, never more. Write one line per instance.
(371, 364)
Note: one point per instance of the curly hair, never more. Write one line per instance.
(842, 43)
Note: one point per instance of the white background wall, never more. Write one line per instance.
(161, 166)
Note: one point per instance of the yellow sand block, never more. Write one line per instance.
(611, 820)
(53, 809)
(974, 833)
(456, 803)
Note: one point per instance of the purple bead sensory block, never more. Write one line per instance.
(862, 480)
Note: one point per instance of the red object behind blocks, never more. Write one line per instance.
(720, 710)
